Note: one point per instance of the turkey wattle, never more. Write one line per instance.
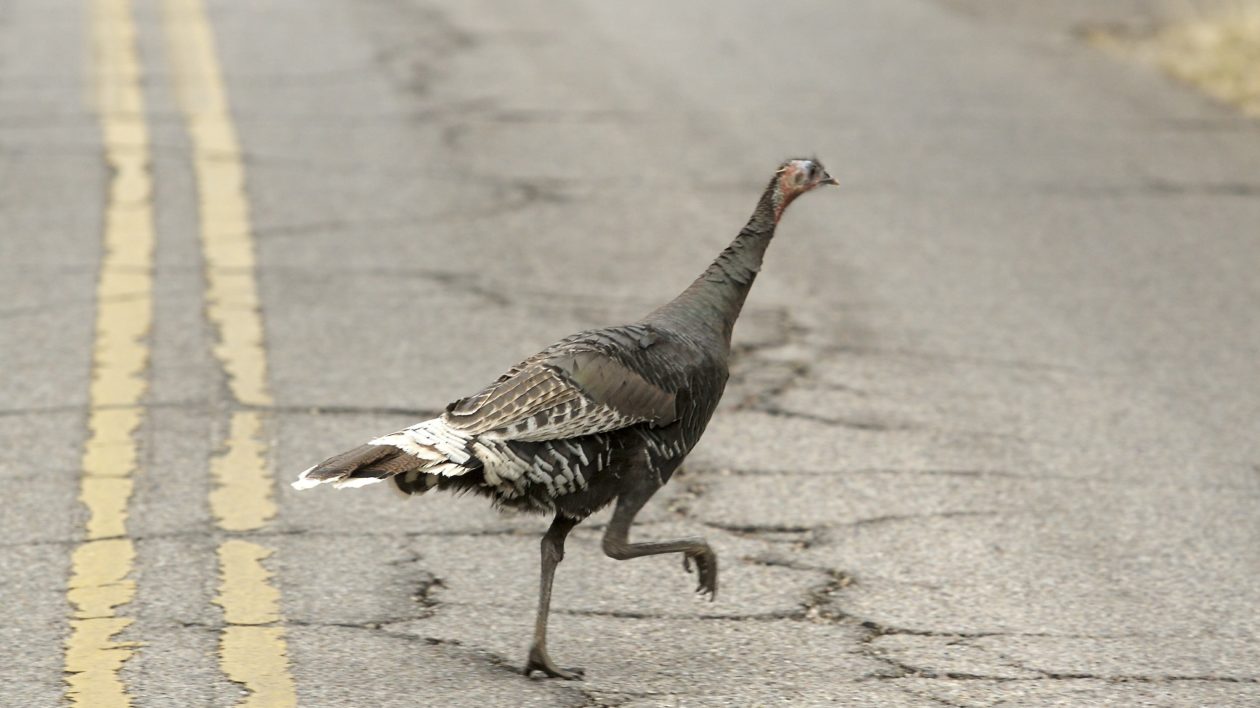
(603, 415)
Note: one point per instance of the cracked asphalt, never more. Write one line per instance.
(993, 430)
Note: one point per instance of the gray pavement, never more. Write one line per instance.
(993, 435)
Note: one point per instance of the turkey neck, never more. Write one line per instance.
(713, 302)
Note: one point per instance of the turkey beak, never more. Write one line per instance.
(828, 179)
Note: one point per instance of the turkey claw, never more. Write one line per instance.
(707, 567)
(540, 661)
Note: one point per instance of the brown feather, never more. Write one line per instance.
(573, 393)
(378, 461)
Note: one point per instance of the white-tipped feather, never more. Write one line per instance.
(446, 469)
(403, 442)
(305, 482)
(352, 482)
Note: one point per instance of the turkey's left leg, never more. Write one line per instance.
(617, 539)
(552, 554)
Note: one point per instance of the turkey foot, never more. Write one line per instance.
(707, 568)
(552, 554)
(540, 661)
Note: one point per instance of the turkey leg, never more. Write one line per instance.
(552, 554)
(617, 541)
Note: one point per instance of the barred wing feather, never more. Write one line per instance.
(566, 394)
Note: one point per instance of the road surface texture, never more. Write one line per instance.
(991, 437)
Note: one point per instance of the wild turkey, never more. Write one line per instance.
(604, 414)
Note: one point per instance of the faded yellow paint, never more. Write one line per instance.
(106, 499)
(100, 582)
(252, 648)
(1215, 48)
(236, 472)
(243, 499)
(232, 302)
(96, 659)
(100, 567)
(266, 673)
(99, 585)
(246, 594)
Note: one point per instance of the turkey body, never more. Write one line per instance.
(601, 416)
(576, 475)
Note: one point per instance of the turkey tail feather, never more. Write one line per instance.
(414, 458)
(365, 464)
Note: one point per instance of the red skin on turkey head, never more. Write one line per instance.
(792, 184)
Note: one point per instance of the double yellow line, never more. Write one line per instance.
(252, 649)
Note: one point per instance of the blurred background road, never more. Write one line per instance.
(993, 435)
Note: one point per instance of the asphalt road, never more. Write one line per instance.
(993, 435)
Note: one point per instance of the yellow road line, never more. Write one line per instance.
(242, 501)
(99, 579)
(252, 648)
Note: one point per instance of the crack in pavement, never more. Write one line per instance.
(60, 305)
(711, 473)
(342, 409)
(754, 529)
(1066, 675)
(414, 63)
(799, 537)
(911, 671)
(893, 518)
(821, 606)
(774, 360)
(778, 411)
(630, 614)
(211, 533)
(1017, 364)
(612, 699)
(681, 505)
(217, 407)
(718, 472)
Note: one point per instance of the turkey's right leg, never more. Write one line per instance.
(552, 554)
(617, 541)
